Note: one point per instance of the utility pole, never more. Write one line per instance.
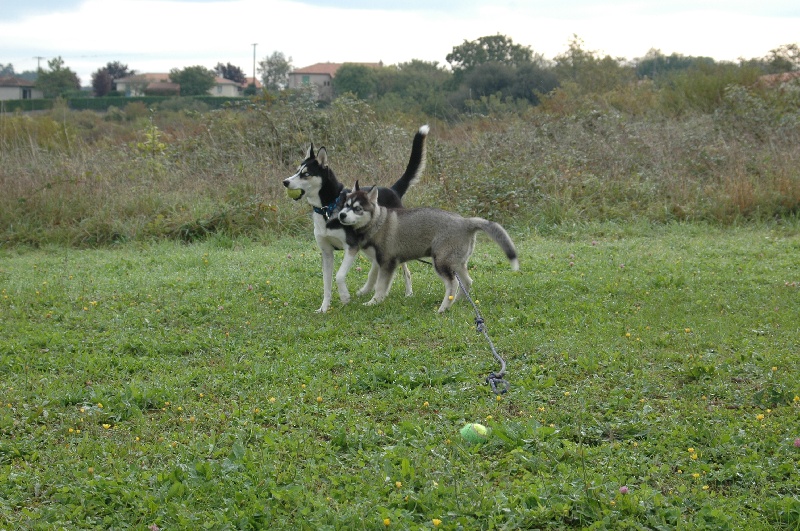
(39, 61)
(254, 63)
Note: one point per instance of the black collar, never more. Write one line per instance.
(326, 212)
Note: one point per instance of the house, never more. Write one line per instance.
(139, 84)
(160, 84)
(226, 87)
(252, 81)
(321, 76)
(16, 88)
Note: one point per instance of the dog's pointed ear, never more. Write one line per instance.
(322, 157)
(373, 194)
(355, 189)
(310, 151)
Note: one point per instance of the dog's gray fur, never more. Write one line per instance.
(392, 236)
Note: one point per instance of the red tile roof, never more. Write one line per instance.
(223, 81)
(11, 81)
(151, 77)
(328, 68)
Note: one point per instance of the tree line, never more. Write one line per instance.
(488, 71)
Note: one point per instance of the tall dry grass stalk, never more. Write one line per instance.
(85, 179)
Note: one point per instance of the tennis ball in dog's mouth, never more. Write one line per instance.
(475, 433)
(294, 194)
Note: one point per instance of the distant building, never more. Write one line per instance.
(151, 83)
(16, 88)
(252, 81)
(160, 84)
(226, 87)
(321, 76)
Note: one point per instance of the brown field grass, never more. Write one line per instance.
(89, 179)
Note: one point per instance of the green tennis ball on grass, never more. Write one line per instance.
(475, 433)
(294, 194)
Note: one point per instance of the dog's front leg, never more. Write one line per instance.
(350, 255)
(385, 277)
(369, 285)
(327, 275)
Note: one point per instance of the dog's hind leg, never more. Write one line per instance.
(450, 293)
(451, 285)
(407, 279)
(466, 280)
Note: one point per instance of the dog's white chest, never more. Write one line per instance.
(322, 233)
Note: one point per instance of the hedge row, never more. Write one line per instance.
(102, 104)
(25, 105)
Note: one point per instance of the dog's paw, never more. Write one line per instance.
(371, 302)
(344, 298)
(362, 292)
(409, 293)
(323, 308)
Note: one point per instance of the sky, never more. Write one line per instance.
(159, 35)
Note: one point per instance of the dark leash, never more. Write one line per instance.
(495, 379)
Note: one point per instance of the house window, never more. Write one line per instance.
(219, 89)
(26, 94)
(306, 80)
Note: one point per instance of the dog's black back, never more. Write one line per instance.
(391, 197)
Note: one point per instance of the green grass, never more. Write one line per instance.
(194, 387)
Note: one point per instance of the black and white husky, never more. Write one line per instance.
(326, 194)
(391, 236)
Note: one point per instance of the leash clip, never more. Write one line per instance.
(497, 379)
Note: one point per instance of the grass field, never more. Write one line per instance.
(653, 384)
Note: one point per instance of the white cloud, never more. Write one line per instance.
(157, 35)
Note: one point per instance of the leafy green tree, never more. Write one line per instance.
(531, 81)
(492, 49)
(358, 79)
(8, 70)
(194, 80)
(57, 80)
(102, 82)
(275, 70)
(784, 58)
(103, 79)
(229, 71)
(118, 70)
(589, 72)
(415, 80)
(497, 49)
(489, 78)
(418, 85)
(655, 63)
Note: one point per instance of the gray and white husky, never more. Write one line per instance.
(391, 236)
(318, 184)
